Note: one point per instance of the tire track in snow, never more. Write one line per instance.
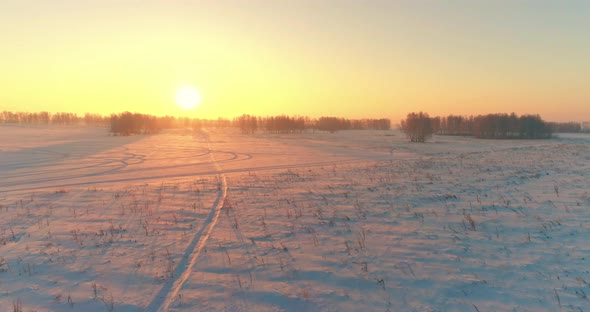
(21, 187)
(169, 291)
(108, 171)
(87, 163)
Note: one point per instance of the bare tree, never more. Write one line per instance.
(417, 127)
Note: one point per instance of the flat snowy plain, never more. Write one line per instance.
(350, 221)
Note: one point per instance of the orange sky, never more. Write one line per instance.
(340, 58)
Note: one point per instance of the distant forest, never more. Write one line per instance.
(286, 124)
(128, 123)
(420, 126)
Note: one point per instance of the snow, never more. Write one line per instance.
(215, 220)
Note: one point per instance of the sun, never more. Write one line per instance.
(187, 97)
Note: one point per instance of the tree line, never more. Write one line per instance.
(134, 123)
(128, 123)
(288, 124)
(420, 126)
(125, 123)
(567, 127)
(45, 118)
(417, 126)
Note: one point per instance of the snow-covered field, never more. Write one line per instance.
(350, 221)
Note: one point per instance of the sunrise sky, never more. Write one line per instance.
(344, 58)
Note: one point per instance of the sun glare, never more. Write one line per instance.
(188, 97)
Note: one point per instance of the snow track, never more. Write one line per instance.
(171, 289)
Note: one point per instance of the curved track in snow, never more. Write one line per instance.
(170, 290)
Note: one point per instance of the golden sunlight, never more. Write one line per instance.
(187, 97)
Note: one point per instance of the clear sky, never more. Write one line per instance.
(347, 58)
